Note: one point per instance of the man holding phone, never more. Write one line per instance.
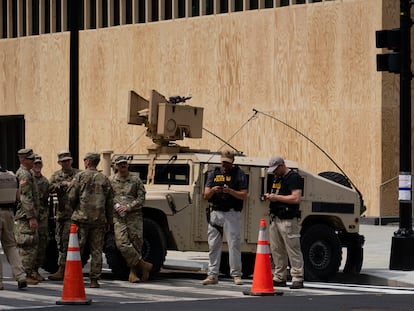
(225, 189)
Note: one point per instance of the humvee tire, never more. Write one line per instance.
(355, 254)
(355, 250)
(354, 260)
(153, 250)
(322, 252)
(50, 263)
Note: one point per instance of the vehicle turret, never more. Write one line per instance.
(166, 120)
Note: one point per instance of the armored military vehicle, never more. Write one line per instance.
(175, 211)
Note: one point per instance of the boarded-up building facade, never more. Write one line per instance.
(310, 64)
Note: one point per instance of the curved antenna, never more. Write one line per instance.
(134, 142)
(231, 137)
(315, 144)
(222, 140)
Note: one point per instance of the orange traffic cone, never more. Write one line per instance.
(73, 287)
(262, 276)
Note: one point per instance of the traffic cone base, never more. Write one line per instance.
(262, 276)
(73, 287)
(73, 302)
(262, 293)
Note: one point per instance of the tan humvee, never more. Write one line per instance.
(175, 211)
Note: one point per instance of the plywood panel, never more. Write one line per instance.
(34, 81)
(295, 63)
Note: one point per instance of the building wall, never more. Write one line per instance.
(390, 150)
(311, 66)
(34, 82)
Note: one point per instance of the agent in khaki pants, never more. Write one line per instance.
(8, 195)
(284, 230)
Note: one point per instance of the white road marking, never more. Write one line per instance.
(123, 292)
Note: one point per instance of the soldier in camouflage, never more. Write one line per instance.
(59, 183)
(42, 229)
(129, 196)
(91, 197)
(27, 215)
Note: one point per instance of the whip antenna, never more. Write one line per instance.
(313, 143)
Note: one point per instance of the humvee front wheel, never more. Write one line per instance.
(354, 260)
(154, 248)
(322, 252)
(50, 263)
(355, 252)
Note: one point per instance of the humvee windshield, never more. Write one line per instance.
(165, 174)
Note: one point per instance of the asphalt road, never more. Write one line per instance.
(180, 290)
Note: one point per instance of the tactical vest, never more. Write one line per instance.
(283, 210)
(225, 201)
(8, 187)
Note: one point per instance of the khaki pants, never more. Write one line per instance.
(231, 223)
(284, 240)
(8, 243)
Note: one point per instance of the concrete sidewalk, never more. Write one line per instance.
(375, 269)
(377, 251)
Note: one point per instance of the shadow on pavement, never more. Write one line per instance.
(367, 279)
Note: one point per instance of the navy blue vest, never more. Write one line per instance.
(224, 201)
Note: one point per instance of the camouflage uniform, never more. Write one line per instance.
(129, 191)
(129, 197)
(91, 197)
(59, 184)
(29, 206)
(43, 186)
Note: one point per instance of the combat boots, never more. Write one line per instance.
(146, 269)
(31, 281)
(58, 275)
(133, 278)
(37, 276)
(210, 279)
(94, 284)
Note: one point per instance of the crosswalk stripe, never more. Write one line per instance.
(122, 292)
(116, 290)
